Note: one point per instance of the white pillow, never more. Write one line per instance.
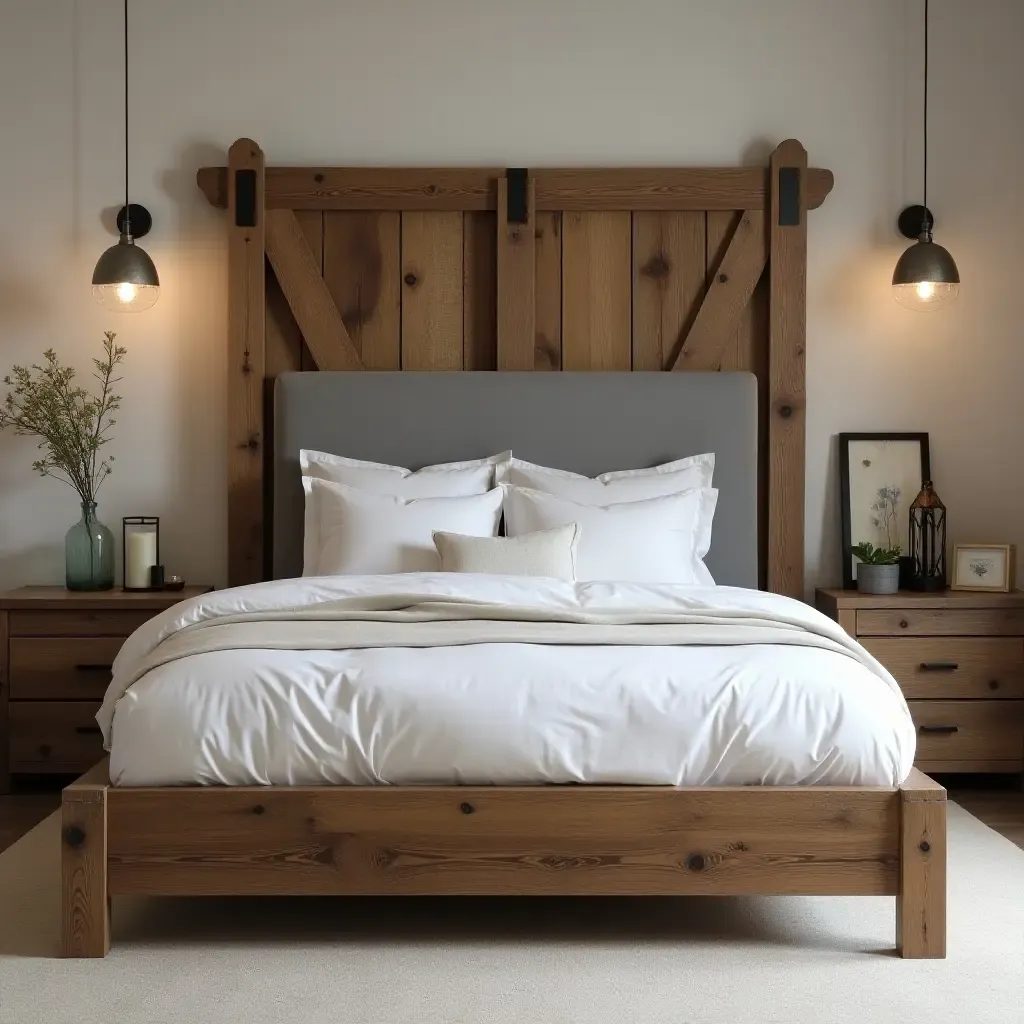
(627, 485)
(655, 540)
(549, 553)
(445, 480)
(361, 532)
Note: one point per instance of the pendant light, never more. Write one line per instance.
(926, 276)
(125, 279)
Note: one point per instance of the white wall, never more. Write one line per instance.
(599, 82)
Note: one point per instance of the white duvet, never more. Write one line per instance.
(435, 678)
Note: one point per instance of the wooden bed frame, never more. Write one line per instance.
(466, 268)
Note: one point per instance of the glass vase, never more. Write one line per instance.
(89, 553)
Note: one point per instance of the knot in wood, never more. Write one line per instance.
(431, 190)
(924, 846)
(656, 267)
(467, 808)
(411, 280)
(904, 624)
(318, 178)
(695, 862)
(259, 809)
(993, 684)
(74, 836)
(785, 411)
(723, 278)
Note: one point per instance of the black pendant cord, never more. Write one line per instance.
(127, 204)
(925, 133)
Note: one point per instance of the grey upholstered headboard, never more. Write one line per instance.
(585, 422)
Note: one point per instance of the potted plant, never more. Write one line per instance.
(879, 569)
(72, 426)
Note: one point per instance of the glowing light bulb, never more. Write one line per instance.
(126, 292)
(925, 291)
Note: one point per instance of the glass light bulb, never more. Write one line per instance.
(925, 291)
(126, 297)
(126, 292)
(925, 295)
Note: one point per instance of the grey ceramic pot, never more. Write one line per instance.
(878, 579)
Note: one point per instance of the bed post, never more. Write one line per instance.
(246, 361)
(85, 904)
(921, 904)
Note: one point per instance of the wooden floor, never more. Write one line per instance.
(996, 799)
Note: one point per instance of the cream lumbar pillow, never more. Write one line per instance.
(550, 553)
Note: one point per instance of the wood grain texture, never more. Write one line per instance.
(669, 270)
(924, 621)
(787, 327)
(504, 840)
(432, 291)
(61, 668)
(54, 736)
(78, 623)
(461, 188)
(362, 271)
(712, 337)
(921, 905)
(547, 353)
(5, 691)
(85, 907)
(99, 601)
(985, 730)
(596, 291)
(748, 349)
(953, 667)
(286, 349)
(480, 289)
(839, 598)
(517, 280)
(246, 373)
(298, 273)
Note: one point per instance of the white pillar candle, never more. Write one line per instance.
(139, 555)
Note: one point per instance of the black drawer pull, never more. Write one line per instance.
(89, 667)
(88, 730)
(939, 666)
(939, 728)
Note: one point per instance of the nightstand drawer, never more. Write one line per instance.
(54, 736)
(969, 730)
(945, 667)
(62, 668)
(77, 623)
(940, 622)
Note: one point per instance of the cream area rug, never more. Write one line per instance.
(790, 960)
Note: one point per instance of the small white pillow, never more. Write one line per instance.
(549, 553)
(655, 540)
(626, 485)
(445, 480)
(361, 532)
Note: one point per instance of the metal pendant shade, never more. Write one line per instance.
(125, 278)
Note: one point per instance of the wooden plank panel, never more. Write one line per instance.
(69, 668)
(246, 370)
(596, 291)
(728, 294)
(286, 350)
(58, 623)
(669, 256)
(751, 330)
(5, 676)
(511, 840)
(472, 188)
(432, 291)
(299, 274)
(787, 373)
(517, 280)
(940, 622)
(968, 730)
(362, 270)
(548, 292)
(480, 292)
(921, 906)
(85, 907)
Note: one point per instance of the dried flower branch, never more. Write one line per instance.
(72, 424)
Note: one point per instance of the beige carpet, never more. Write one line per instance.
(271, 961)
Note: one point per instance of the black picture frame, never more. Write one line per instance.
(849, 579)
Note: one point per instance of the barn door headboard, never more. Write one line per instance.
(518, 269)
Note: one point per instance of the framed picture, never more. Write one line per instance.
(879, 477)
(984, 567)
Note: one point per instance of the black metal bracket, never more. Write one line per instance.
(912, 219)
(789, 197)
(245, 198)
(518, 209)
(140, 220)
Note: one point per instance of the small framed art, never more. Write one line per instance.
(879, 476)
(984, 567)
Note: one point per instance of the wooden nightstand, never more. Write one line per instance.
(959, 658)
(56, 649)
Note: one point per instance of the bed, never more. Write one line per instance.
(670, 741)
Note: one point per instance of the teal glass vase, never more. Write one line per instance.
(89, 553)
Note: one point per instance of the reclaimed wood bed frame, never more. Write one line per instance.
(466, 268)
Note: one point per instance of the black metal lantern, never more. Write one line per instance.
(928, 540)
(140, 553)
